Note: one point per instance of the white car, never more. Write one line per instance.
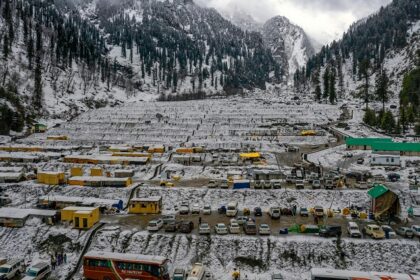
(234, 227)
(241, 219)
(184, 209)
(416, 230)
(38, 271)
(353, 230)
(221, 229)
(207, 210)
(204, 229)
(264, 229)
(11, 269)
(391, 232)
(195, 209)
(155, 225)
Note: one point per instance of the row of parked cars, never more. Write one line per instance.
(10, 269)
(381, 232)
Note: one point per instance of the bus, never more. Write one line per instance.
(333, 274)
(99, 265)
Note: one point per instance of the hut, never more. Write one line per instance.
(384, 202)
(145, 205)
(51, 178)
(16, 217)
(81, 217)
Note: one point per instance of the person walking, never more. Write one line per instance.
(53, 262)
(65, 258)
(199, 220)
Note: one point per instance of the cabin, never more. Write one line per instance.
(51, 177)
(384, 202)
(100, 181)
(385, 160)
(145, 205)
(124, 173)
(81, 217)
(16, 217)
(61, 202)
(96, 172)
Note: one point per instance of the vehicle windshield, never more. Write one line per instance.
(231, 208)
(204, 226)
(32, 273)
(354, 228)
(416, 229)
(152, 224)
(251, 226)
(4, 269)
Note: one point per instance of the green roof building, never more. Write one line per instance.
(379, 145)
(385, 204)
(364, 143)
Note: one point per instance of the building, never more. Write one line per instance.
(265, 174)
(51, 178)
(16, 217)
(250, 156)
(404, 149)
(364, 143)
(97, 171)
(100, 181)
(384, 202)
(61, 202)
(106, 159)
(156, 149)
(385, 160)
(124, 173)
(81, 217)
(145, 205)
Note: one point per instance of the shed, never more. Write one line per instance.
(364, 143)
(51, 177)
(384, 202)
(81, 217)
(250, 156)
(96, 171)
(405, 149)
(386, 160)
(61, 202)
(124, 173)
(11, 177)
(99, 181)
(145, 205)
(16, 217)
(156, 149)
(76, 171)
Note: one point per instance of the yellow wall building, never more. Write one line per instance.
(51, 178)
(76, 171)
(81, 217)
(147, 205)
(96, 172)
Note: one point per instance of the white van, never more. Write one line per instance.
(11, 269)
(232, 209)
(38, 271)
(197, 272)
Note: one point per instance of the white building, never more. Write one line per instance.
(385, 160)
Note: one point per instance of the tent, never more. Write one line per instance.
(384, 202)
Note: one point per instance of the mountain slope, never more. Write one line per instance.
(288, 43)
(63, 57)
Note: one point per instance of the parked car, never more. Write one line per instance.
(195, 209)
(168, 218)
(360, 161)
(361, 186)
(276, 184)
(207, 210)
(11, 269)
(264, 229)
(171, 227)
(267, 185)
(329, 184)
(319, 211)
(299, 185)
(353, 230)
(316, 184)
(186, 227)
(405, 232)
(224, 184)
(241, 219)
(348, 155)
(374, 231)
(221, 229)
(393, 177)
(155, 225)
(212, 184)
(179, 274)
(304, 212)
(292, 149)
(416, 230)
(258, 212)
(330, 231)
(290, 179)
(184, 209)
(222, 210)
(204, 229)
(38, 271)
(277, 277)
(250, 227)
(388, 230)
(234, 227)
(275, 212)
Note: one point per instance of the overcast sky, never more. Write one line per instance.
(324, 20)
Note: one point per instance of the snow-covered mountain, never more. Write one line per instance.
(243, 20)
(288, 43)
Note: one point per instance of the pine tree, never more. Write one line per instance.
(30, 51)
(381, 91)
(332, 90)
(37, 98)
(6, 49)
(370, 117)
(364, 67)
(388, 122)
(326, 78)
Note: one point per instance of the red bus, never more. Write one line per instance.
(116, 266)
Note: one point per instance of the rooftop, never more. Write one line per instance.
(377, 191)
(126, 257)
(147, 199)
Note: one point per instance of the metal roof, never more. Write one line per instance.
(399, 146)
(365, 141)
(377, 191)
(125, 257)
